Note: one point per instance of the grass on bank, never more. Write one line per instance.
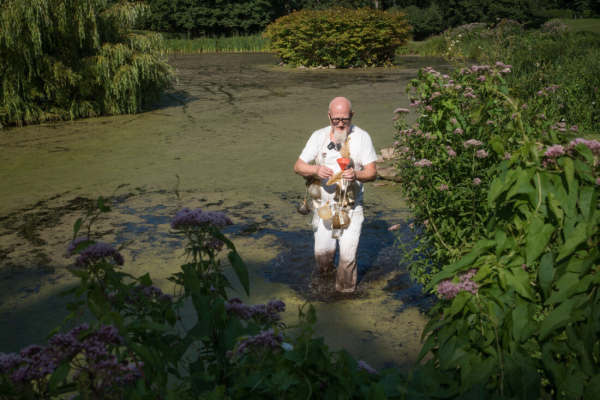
(236, 43)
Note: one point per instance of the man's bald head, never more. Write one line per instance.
(340, 115)
(340, 104)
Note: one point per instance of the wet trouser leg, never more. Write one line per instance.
(325, 248)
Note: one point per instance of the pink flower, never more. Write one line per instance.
(451, 153)
(555, 151)
(489, 122)
(363, 366)
(458, 131)
(574, 128)
(394, 227)
(443, 187)
(540, 93)
(428, 108)
(423, 163)
(472, 142)
(401, 110)
(481, 154)
(476, 181)
(506, 156)
(454, 121)
(481, 78)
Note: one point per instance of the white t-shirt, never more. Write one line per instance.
(362, 153)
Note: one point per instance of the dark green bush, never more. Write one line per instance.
(338, 36)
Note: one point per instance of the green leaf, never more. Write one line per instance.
(59, 375)
(77, 227)
(448, 272)
(569, 170)
(101, 206)
(578, 236)
(240, 270)
(79, 273)
(537, 241)
(519, 280)
(497, 145)
(546, 273)
(560, 316)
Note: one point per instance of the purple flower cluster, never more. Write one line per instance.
(269, 312)
(443, 187)
(449, 290)
(481, 154)
(458, 131)
(150, 293)
(453, 121)
(472, 142)
(35, 362)
(559, 126)
(554, 28)
(423, 163)
(476, 181)
(593, 145)
(198, 218)
(214, 244)
(264, 340)
(401, 110)
(363, 366)
(555, 151)
(98, 252)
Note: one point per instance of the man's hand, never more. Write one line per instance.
(349, 175)
(323, 172)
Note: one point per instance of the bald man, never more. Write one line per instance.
(319, 160)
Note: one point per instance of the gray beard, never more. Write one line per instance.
(340, 137)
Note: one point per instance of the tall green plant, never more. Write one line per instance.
(66, 59)
(519, 314)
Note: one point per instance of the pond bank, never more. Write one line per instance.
(224, 139)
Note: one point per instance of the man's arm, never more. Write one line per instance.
(320, 171)
(368, 174)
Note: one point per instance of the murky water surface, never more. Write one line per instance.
(225, 138)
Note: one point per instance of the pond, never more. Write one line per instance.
(224, 139)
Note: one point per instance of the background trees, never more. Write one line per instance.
(192, 18)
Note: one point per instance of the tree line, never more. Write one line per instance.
(194, 18)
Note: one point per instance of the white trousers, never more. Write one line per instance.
(325, 248)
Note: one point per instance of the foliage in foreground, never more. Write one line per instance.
(507, 214)
(519, 313)
(76, 58)
(139, 346)
(339, 36)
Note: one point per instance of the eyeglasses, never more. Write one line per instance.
(336, 121)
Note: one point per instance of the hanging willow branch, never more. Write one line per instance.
(66, 59)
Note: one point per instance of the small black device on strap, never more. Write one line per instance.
(332, 145)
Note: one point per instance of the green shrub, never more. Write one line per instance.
(78, 58)
(507, 214)
(338, 36)
(519, 315)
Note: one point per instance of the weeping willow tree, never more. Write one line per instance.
(66, 59)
